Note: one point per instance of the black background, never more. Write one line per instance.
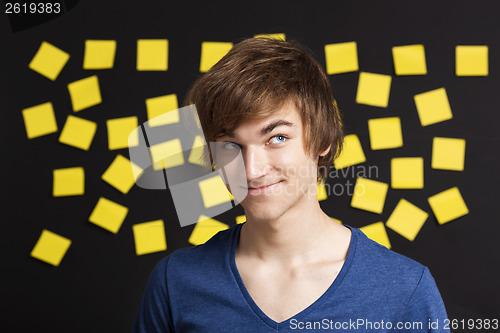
(99, 284)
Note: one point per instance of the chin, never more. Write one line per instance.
(263, 211)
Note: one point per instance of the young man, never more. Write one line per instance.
(289, 267)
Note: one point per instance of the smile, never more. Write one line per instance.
(266, 189)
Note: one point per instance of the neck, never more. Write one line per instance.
(299, 236)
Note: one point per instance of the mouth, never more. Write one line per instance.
(264, 189)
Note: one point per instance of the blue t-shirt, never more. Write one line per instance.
(199, 289)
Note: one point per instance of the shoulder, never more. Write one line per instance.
(375, 255)
(196, 258)
(378, 266)
(383, 279)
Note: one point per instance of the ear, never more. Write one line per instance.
(326, 151)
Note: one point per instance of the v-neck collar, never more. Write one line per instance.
(327, 294)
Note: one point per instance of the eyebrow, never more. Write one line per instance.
(269, 128)
(273, 125)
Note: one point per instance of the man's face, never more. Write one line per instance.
(280, 175)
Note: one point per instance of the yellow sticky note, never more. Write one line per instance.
(407, 219)
(369, 195)
(149, 237)
(99, 54)
(373, 89)
(162, 110)
(211, 53)
(122, 174)
(433, 106)
(49, 61)
(152, 54)
(385, 133)
(167, 154)
(448, 154)
(448, 205)
(85, 93)
(341, 58)
(322, 195)
(78, 132)
(241, 218)
(196, 155)
(407, 172)
(68, 181)
(471, 60)
(351, 154)
(108, 215)
(279, 36)
(213, 191)
(50, 247)
(409, 60)
(376, 232)
(39, 120)
(205, 229)
(121, 133)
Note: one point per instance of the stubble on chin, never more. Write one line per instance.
(273, 207)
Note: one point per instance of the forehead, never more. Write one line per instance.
(286, 116)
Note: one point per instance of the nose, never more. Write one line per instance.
(256, 162)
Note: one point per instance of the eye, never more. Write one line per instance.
(278, 139)
(229, 145)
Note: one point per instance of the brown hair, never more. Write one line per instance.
(256, 78)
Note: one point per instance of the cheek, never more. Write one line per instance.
(294, 163)
(233, 172)
(235, 179)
